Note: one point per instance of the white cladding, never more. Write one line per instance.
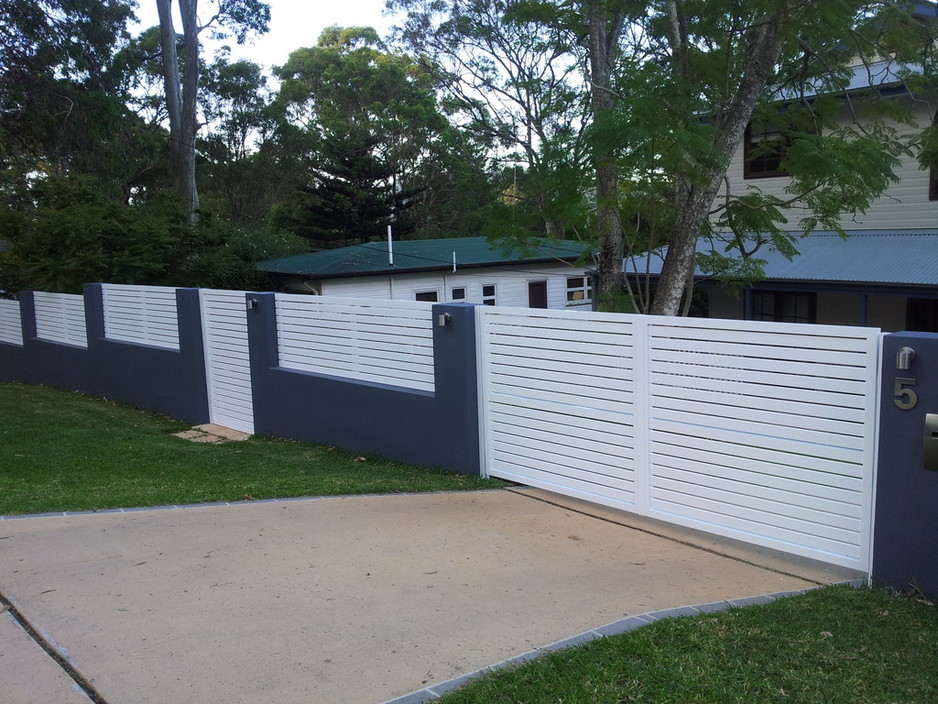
(905, 204)
(511, 285)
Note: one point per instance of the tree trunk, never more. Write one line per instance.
(604, 30)
(693, 200)
(181, 95)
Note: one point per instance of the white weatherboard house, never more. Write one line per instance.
(458, 269)
(885, 274)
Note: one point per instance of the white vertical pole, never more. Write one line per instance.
(390, 248)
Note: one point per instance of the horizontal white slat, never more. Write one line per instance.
(764, 334)
(758, 514)
(602, 460)
(563, 431)
(794, 495)
(705, 412)
(821, 398)
(780, 445)
(509, 335)
(11, 324)
(542, 463)
(367, 340)
(759, 364)
(798, 412)
(145, 315)
(821, 470)
(578, 414)
(571, 486)
(60, 317)
(772, 431)
(708, 517)
(607, 399)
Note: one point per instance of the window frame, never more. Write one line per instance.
(489, 299)
(427, 292)
(750, 159)
(777, 309)
(585, 287)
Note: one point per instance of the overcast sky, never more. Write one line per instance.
(293, 24)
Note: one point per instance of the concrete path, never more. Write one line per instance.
(338, 600)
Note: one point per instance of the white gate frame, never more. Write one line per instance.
(865, 467)
(239, 400)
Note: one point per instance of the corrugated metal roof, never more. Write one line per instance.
(418, 255)
(899, 257)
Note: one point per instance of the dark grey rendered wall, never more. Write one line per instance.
(12, 360)
(905, 538)
(165, 381)
(438, 429)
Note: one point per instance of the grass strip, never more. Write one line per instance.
(836, 645)
(63, 451)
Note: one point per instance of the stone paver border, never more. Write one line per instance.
(630, 623)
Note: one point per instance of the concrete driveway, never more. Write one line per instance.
(340, 600)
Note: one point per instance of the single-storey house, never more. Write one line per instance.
(881, 278)
(546, 274)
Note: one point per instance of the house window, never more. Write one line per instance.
(579, 289)
(921, 314)
(429, 296)
(784, 307)
(458, 294)
(763, 151)
(488, 295)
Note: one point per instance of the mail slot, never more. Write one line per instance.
(931, 441)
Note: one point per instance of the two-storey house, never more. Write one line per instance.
(885, 274)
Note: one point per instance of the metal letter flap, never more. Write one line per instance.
(931, 441)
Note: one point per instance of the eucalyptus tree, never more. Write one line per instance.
(514, 85)
(60, 109)
(225, 18)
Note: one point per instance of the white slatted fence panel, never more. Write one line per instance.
(145, 315)
(765, 430)
(11, 324)
(60, 317)
(368, 340)
(559, 401)
(227, 359)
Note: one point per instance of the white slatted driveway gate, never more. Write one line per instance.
(227, 359)
(763, 432)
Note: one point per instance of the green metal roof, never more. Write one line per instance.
(418, 255)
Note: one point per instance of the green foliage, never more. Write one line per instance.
(360, 133)
(512, 84)
(64, 232)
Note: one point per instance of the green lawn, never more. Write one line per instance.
(62, 451)
(835, 645)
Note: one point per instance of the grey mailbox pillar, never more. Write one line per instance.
(905, 539)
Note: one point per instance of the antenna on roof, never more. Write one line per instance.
(390, 248)
(454, 261)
